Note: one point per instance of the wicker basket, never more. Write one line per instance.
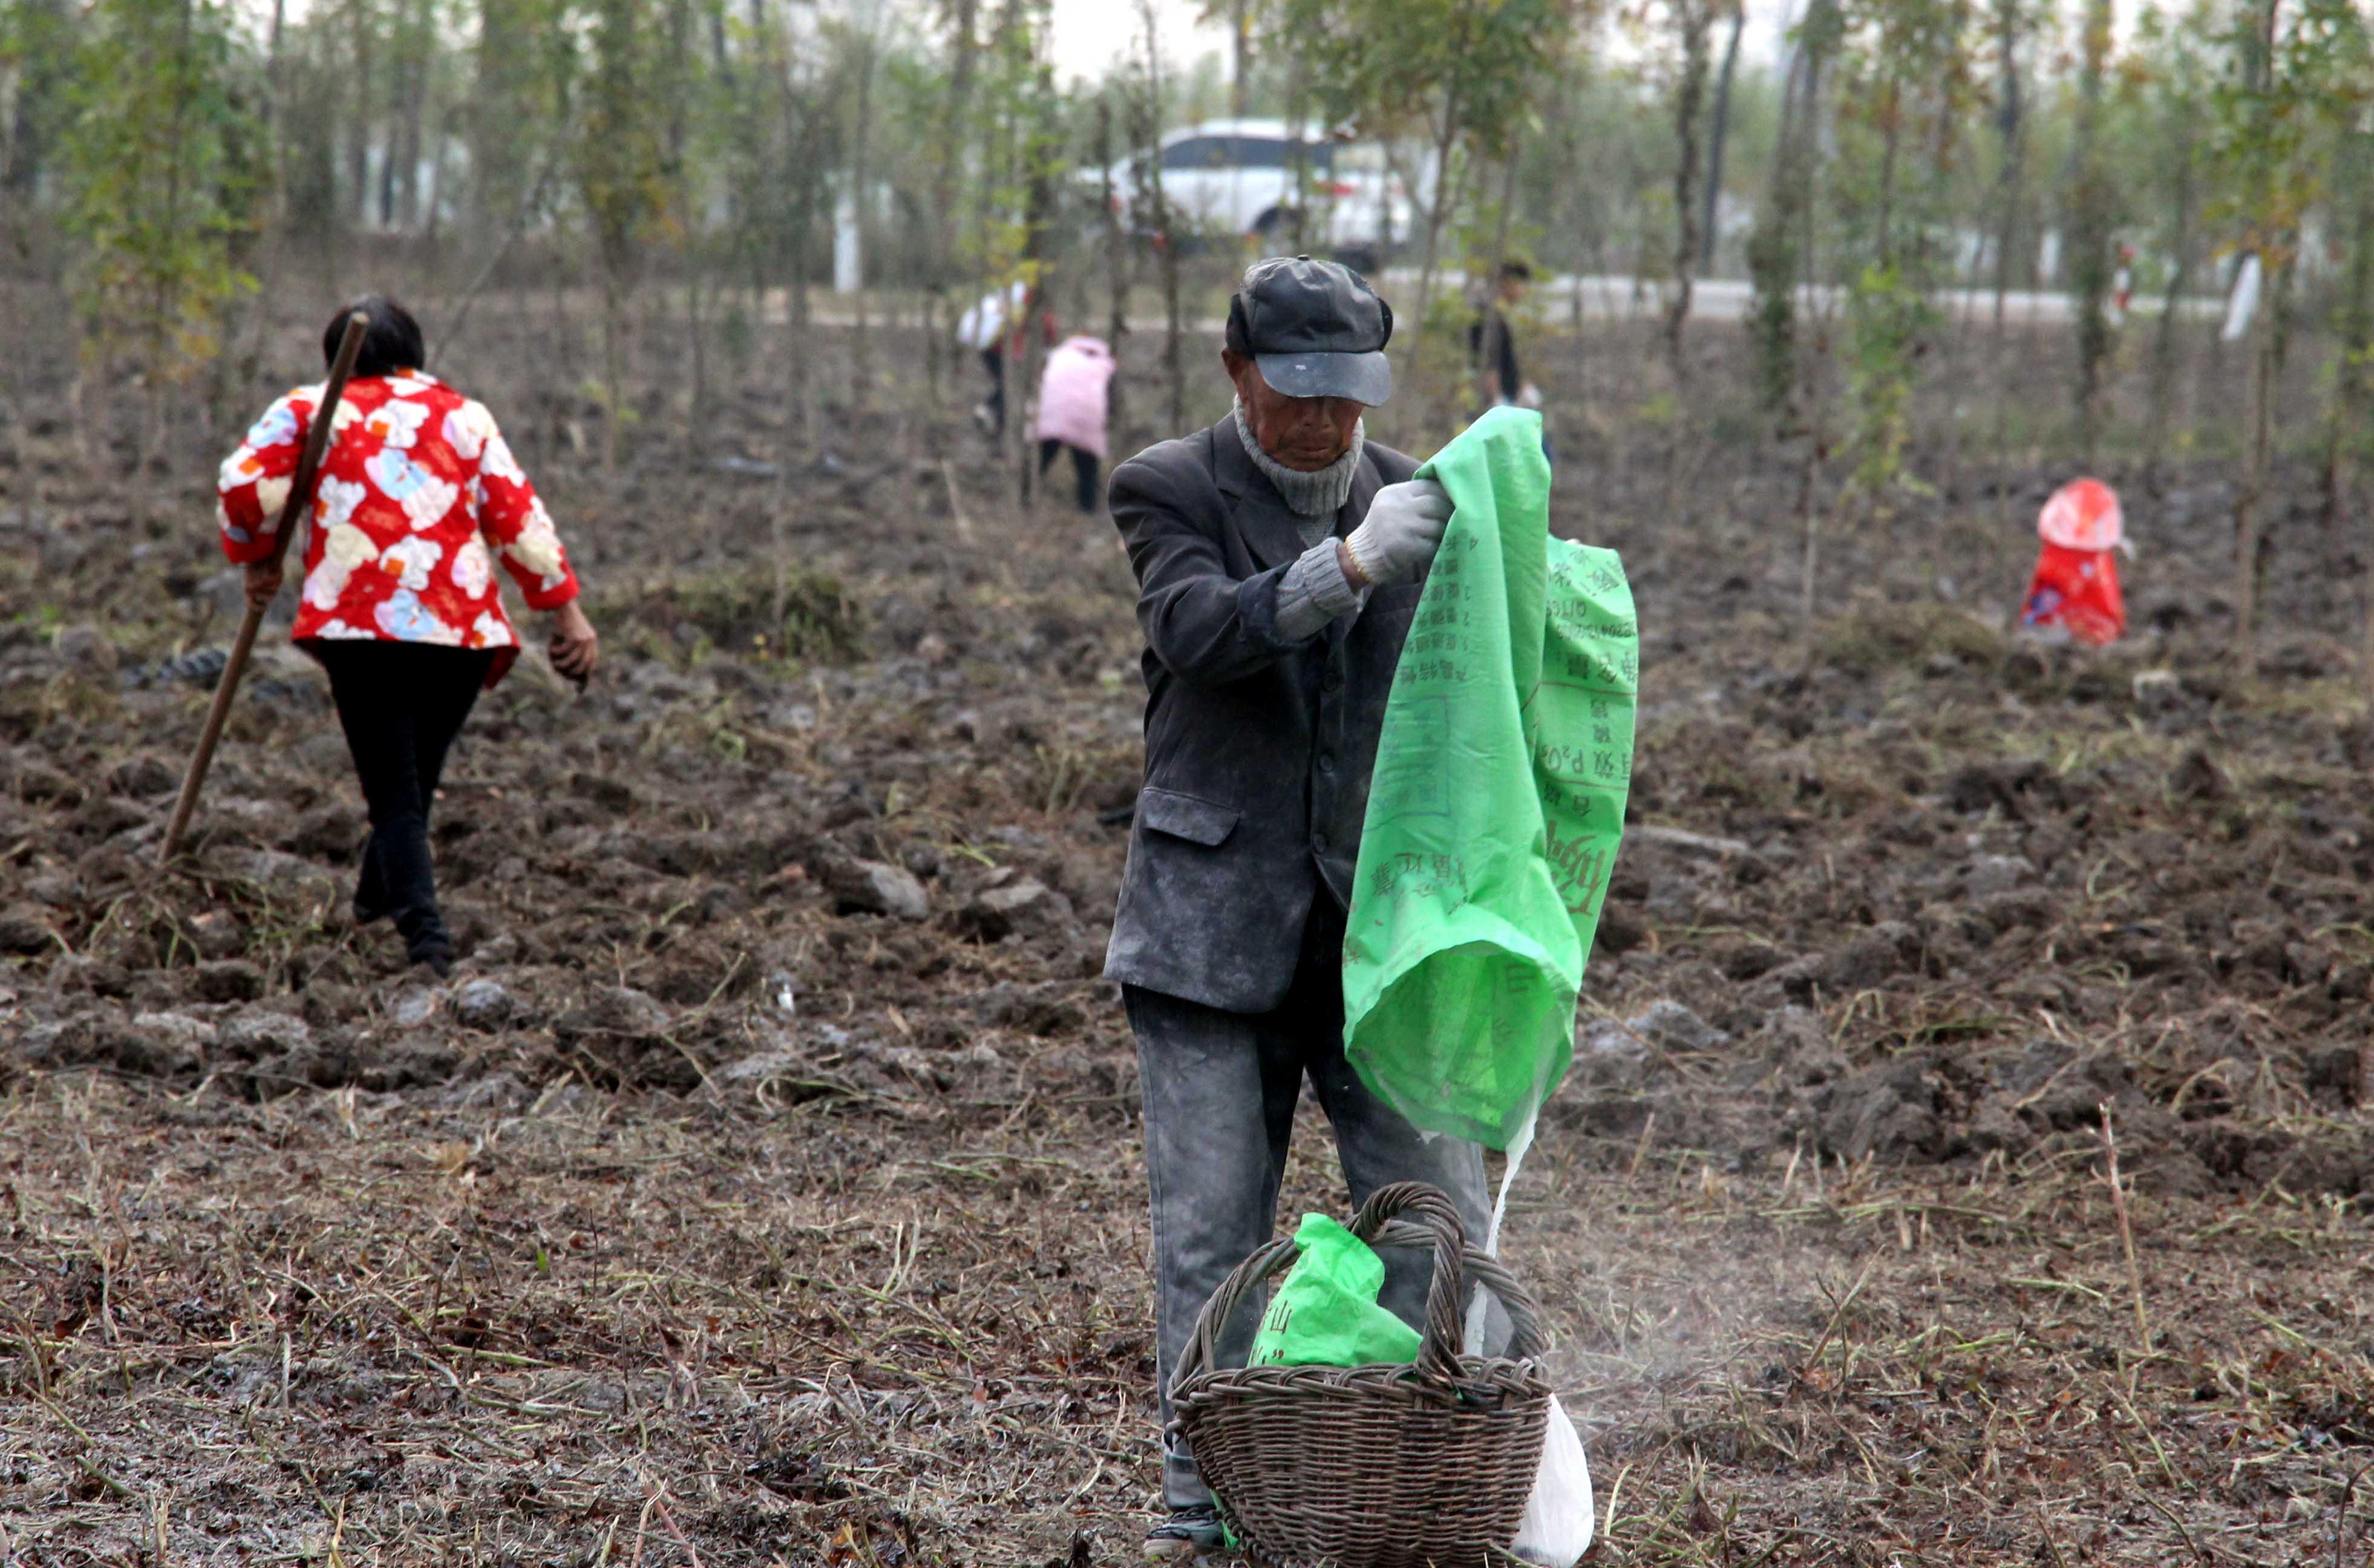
(1424, 1466)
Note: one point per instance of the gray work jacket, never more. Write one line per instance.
(1257, 751)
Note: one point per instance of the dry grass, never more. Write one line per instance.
(344, 1329)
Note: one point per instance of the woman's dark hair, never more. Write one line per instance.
(391, 342)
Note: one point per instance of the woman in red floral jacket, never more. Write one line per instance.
(419, 496)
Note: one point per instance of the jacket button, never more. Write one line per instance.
(1327, 761)
(1319, 842)
(1332, 681)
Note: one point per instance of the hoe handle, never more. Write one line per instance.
(300, 496)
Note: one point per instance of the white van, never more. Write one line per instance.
(1252, 176)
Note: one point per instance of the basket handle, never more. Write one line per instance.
(1441, 1340)
(1405, 1213)
(1203, 1349)
(1528, 1341)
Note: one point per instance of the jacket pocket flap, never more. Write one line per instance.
(1184, 816)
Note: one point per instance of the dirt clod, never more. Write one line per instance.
(872, 887)
(2198, 776)
(230, 980)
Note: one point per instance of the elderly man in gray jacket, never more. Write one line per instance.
(1278, 558)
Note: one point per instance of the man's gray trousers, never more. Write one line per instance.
(1220, 1090)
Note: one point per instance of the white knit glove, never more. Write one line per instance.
(1399, 535)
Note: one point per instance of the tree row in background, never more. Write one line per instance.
(1891, 190)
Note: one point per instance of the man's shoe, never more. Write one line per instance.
(1185, 1535)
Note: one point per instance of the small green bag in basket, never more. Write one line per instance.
(1326, 1311)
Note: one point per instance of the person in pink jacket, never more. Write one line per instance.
(1073, 394)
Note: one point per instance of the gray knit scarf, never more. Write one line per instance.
(1319, 494)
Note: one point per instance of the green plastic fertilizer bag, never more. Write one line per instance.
(1326, 1311)
(1496, 807)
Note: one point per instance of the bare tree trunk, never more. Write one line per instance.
(614, 354)
(1707, 232)
(1588, 241)
(1174, 329)
(1156, 201)
(2007, 185)
(1694, 19)
(1446, 137)
(2258, 431)
(802, 330)
(2345, 410)
(2090, 200)
(695, 327)
(2258, 65)
(357, 117)
(954, 125)
(2165, 337)
(861, 176)
(1117, 261)
(1240, 42)
(1022, 395)
(1774, 261)
(150, 442)
(1815, 401)
(2353, 388)
(419, 48)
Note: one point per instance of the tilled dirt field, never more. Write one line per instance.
(764, 1186)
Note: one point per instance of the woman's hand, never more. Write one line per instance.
(573, 646)
(263, 583)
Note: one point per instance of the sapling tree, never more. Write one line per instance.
(1457, 75)
(1718, 136)
(1779, 248)
(1116, 256)
(2346, 132)
(37, 50)
(955, 134)
(622, 177)
(2179, 73)
(2261, 137)
(2010, 20)
(1023, 161)
(2342, 63)
(160, 178)
(1903, 61)
(2092, 202)
(1691, 20)
(37, 58)
(1148, 105)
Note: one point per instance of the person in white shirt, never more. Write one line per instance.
(989, 328)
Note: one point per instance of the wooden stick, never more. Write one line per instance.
(301, 497)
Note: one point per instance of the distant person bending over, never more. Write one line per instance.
(993, 328)
(1075, 400)
(1278, 558)
(419, 495)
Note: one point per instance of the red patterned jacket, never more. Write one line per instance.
(418, 494)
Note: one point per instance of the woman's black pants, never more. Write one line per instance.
(401, 704)
(1083, 470)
